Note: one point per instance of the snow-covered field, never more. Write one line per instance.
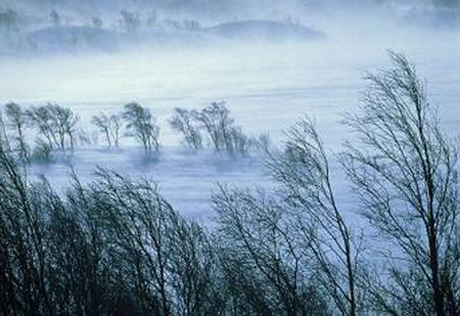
(267, 88)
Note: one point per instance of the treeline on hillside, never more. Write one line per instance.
(115, 246)
(126, 20)
(57, 130)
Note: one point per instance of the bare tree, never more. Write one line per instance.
(23, 259)
(57, 124)
(115, 128)
(216, 121)
(141, 125)
(40, 117)
(238, 142)
(63, 125)
(184, 121)
(16, 119)
(169, 260)
(103, 123)
(221, 130)
(304, 172)
(268, 269)
(406, 177)
(3, 133)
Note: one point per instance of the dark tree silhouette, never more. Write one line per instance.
(110, 126)
(16, 119)
(405, 171)
(184, 121)
(141, 125)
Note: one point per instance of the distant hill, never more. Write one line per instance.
(71, 38)
(265, 30)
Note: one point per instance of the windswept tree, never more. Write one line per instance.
(4, 139)
(268, 270)
(109, 126)
(216, 121)
(224, 135)
(304, 173)
(17, 121)
(405, 173)
(64, 125)
(40, 118)
(23, 254)
(140, 124)
(215, 125)
(115, 128)
(184, 121)
(238, 142)
(57, 124)
(102, 122)
(169, 261)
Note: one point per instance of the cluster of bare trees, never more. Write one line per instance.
(404, 172)
(112, 247)
(116, 246)
(56, 127)
(59, 130)
(215, 125)
(140, 124)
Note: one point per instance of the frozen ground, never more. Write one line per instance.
(267, 88)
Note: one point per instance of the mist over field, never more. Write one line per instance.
(271, 63)
(136, 85)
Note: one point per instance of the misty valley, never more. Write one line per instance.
(241, 157)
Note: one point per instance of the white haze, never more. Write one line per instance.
(267, 87)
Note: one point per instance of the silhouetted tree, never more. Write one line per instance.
(16, 119)
(104, 124)
(63, 125)
(405, 172)
(304, 172)
(57, 124)
(115, 128)
(268, 268)
(216, 121)
(141, 125)
(184, 121)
